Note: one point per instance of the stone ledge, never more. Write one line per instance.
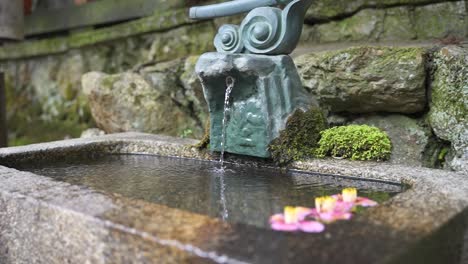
(159, 22)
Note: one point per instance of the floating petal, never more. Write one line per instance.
(311, 226)
(282, 226)
(325, 204)
(329, 217)
(302, 212)
(290, 215)
(360, 201)
(349, 195)
(365, 202)
(293, 220)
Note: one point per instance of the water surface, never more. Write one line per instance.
(239, 193)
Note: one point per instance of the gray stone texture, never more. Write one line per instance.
(92, 132)
(411, 139)
(45, 221)
(44, 88)
(154, 101)
(448, 113)
(389, 20)
(43, 76)
(11, 20)
(366, 79)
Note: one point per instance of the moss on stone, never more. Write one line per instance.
(449, 102)
(366, 79)
(159, 22)
(33, 119)
(37, 131)
(449, 86)
(440, 20)
(384, 20)
(205, 141)
(325, 10)
(355, 142)
(183, 41)
(300, 137)
(442, 156)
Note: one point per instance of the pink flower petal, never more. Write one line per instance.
(344, 206)
(277, 218)
(311, 226)
(343, 216)
(314, 213)
(282, 226)
(326, 217)
(365, 202)
(360, 201)
(329, 217)
(303, 212)
(277, 223)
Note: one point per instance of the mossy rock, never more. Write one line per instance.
(325, 10)
(355, 142)
(384, 20)
(366, 79)
(449, 102)
(300, 137)
(205, 141)
(129, 102)
(413, 142)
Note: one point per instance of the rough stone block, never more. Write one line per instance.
(151, 102)
(367, 79)
(449, 102)
(411, 140)
(266, 91)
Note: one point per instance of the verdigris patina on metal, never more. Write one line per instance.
(267, 89)
(266, 86)
(265, 30)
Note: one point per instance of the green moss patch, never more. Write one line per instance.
(37, 131)
(300, 137)
(205, 141)
(30, 120)
(355, 142)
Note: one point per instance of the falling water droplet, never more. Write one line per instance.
(229, 86)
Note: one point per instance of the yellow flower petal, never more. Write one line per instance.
(290, 215)
(349, 195)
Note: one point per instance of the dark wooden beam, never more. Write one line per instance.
(3, 121)
(94, 13)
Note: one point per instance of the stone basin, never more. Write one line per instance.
(47, 221)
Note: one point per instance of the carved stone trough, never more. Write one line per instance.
(46, 221)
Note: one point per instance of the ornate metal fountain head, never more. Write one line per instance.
(265, 30)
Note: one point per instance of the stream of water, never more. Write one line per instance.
(226, 111)
(227, 96)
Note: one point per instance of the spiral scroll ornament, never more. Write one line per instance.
(261, 29)
(265, 30)
(228, 39)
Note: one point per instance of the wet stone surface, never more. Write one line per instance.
(236, 193)
(47, 221)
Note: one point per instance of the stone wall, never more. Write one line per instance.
(46, 99)
(387, 20)
(419, 96)
(45, 92)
